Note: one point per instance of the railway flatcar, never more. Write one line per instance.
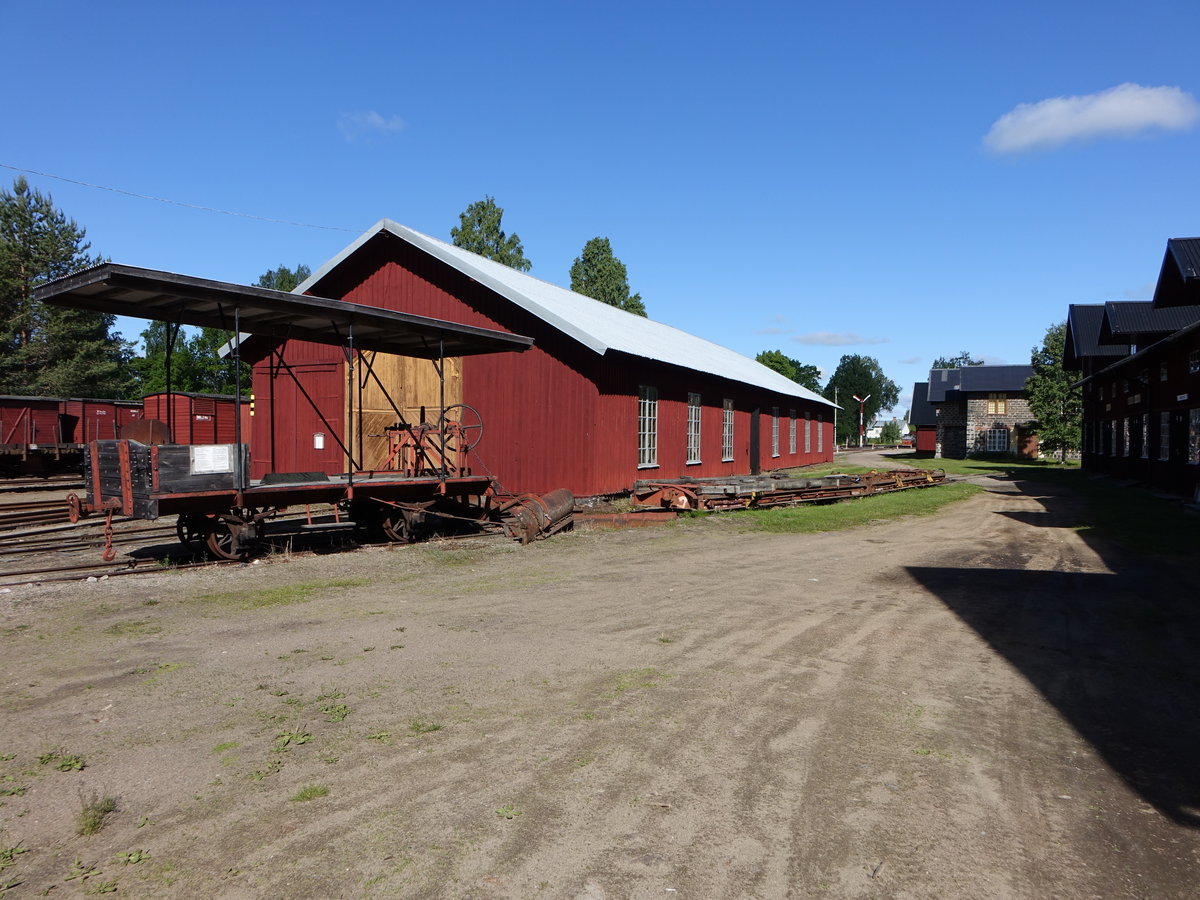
(427, 474)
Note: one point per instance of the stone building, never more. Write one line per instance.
(982, 409)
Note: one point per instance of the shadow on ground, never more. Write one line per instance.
(1118, 654)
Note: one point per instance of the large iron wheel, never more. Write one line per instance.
(219, 539)
(396, 527)
(192, 530)
(466, 422)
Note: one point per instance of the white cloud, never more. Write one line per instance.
(836, 339)
(910, 360)
(366, 124)
(1123, 111)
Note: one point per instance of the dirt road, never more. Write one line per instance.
(977, 704)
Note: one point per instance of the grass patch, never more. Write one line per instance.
(455, 556)
(133, 627)
(94, 813)
(283, 595)
(422, 725)
(812, 518)
(637, 678)
(310, 792)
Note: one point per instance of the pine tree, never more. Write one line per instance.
(480, 232)
(596, 273)
(1056, 405)
(50, 350)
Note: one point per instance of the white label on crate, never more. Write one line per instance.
(211, 459)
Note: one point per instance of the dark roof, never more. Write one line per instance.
(1179, 277)
(195, 396)
(150, 294)
(922, 412)
(973, 379)
(1138, 322)
(1083, 336)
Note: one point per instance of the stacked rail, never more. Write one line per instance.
(766, 491)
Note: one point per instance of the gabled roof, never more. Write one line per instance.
(596, 325)
(949, 383)
(1083, 336)
(922, 412)
(1179, 277)
(1138, 322)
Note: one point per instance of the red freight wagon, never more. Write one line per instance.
(197, 418)
(30, 422)
(86, 420)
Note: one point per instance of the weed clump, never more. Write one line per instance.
(310, 792)
(95, 812)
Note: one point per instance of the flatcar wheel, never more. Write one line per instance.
(396, 528)
(219, 540)
(192, 530)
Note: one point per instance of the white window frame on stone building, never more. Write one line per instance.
(996, 440)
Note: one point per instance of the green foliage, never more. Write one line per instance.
(890, 432)
(861, 376)
(1057, 407)
(480, 232)
(283, 278)
(963, 359)
(596, 273)
(803, 374)
(195, 365)
(50, 350)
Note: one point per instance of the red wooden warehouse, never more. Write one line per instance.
(603, 398)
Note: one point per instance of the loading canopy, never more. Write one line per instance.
(150, 294)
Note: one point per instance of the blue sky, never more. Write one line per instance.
(897, 180)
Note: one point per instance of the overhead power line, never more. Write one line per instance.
(213, 209)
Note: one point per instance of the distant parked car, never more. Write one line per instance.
(906, 441)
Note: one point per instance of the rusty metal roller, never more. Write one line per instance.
(532, 516)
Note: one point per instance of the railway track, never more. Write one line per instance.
(49, 483)
(27, 513)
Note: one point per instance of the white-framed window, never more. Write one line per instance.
(774, 431)
(808, 432)
(647, 426)
(1194, 362)
(1125, 437)
(820, 432)
(996, 440)
(792, 432)
(1164, 435)
(1145, 435)
(727, 432)
(693, 432)
(997, 405)
(1194, 436)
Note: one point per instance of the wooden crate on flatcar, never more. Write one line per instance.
(132, 477)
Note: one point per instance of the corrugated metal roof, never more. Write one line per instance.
(1134, 322)
(973, 379)
(596, 325)
(922, 412)
(1179, 277)
(1083, 336)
